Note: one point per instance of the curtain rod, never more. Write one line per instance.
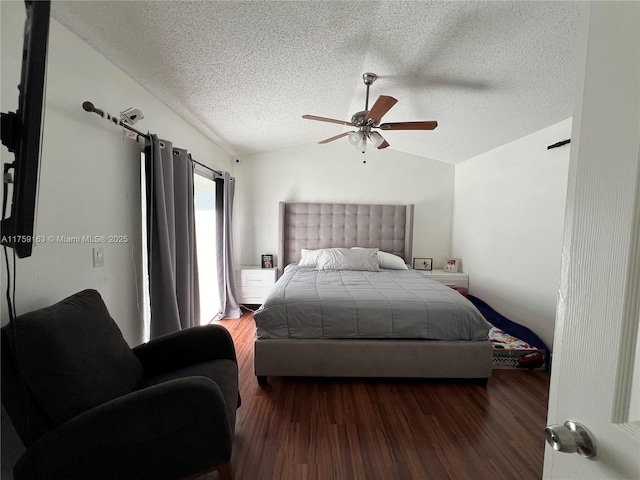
(90, 107)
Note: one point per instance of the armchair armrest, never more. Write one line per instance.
(166, 431)
(186, 347)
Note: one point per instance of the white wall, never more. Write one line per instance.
(508, 224)
(89, 181)
(335, 173)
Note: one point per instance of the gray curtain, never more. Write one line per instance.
(171, 242)
(225, 187)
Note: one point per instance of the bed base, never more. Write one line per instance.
(372, 358)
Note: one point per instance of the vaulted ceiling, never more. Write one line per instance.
(244, 73)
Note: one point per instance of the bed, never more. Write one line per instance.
(328, 348)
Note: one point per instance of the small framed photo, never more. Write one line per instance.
(267, 261)
(451, 265)
(423, 264)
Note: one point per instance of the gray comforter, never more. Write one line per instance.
(307, 303)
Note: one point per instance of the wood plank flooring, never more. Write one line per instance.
(369, 429)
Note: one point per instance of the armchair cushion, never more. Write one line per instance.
(73, 356)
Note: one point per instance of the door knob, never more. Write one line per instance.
(572, 437)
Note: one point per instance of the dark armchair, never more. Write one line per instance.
(86, 406)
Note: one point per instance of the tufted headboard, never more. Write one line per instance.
(325, 225)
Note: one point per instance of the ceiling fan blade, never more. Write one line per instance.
(335, 138)
(409, 125)
(384, 144)
(330, 120)
(382, 106)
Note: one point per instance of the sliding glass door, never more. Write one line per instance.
(205, 200)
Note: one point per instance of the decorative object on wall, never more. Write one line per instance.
(267, 261)
(451, 265)
(423, 264)
(367, 119)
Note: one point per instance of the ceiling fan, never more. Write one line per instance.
(366, 120)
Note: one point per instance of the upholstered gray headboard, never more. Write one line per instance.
(325, 225)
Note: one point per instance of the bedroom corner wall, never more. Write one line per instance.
(89, 179)
(509, 207)
(335, 173)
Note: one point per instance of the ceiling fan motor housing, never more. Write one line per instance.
(358, 119)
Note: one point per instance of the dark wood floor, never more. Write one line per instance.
(312, 428)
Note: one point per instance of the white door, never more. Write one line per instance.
(596, 336)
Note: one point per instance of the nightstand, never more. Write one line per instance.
(451, 279)
(254, 283)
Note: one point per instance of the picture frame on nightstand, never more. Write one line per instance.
(423, 264)
(267, 261)
(451, 265)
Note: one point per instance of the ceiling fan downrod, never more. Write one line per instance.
(368, 78)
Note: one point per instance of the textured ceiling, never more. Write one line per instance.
(245, 72)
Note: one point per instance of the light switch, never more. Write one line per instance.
(98, 257)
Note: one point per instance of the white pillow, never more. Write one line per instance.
(309, 258)
(349, 259)
(389, 260)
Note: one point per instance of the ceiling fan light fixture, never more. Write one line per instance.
(376, 139)
(362, 144)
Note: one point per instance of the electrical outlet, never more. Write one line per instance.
(98, 257)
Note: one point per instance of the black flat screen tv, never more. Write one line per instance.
(21, 133)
